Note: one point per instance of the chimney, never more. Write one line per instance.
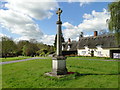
(69, 40)
(95, 33)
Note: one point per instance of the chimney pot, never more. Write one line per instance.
(95, 33)
(69, 40)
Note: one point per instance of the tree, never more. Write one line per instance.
(20, 45)
(55, 42)
(62, 40)
(8, 47)
(81, 34)
(30, 49)
(45, 49)
(114, 22)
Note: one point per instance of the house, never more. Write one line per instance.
(97, 45)
(69, 47)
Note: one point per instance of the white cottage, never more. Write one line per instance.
(99, 45)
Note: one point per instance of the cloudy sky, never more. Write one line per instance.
(33, 19)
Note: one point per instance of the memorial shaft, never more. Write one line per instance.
(59, 44)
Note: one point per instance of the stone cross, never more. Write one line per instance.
(59, 13)
(58, 61)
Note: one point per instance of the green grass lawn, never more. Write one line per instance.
(14, 58)
(30, 74)
(98, 58)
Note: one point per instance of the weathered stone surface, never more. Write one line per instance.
(59, 43)
(59, 58)
(59, 67)
(58, 22)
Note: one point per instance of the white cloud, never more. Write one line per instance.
(19, 23)
(87, 16)
(20, 14)
(19, 17)
(68, 25)
(91, 22)
(3, 35)
(82, 2)
(33, 8)
(70, 31)
(48, 39)
(95, 21)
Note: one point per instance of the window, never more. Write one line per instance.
(63, 47)
(98, 52)
(98, 46)
(83, 52)
(68, 47)
(116, 55)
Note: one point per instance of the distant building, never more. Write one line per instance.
(69, 47)
(97, 45)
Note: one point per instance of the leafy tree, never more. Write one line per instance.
(62, 40)
(55, 42)
(30, 49)
(81, 34)
(41, 45)
(9, 47)
(33, 41)
(23, 47)
(49, 48)
(20, 45)
(114, 22)
(42, 52)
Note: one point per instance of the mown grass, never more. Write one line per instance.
(14, 58)
(30, 74)
(101, 58)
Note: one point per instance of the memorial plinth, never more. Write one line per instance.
(59, 65)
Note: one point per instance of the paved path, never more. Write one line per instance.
(47, 58)
(22, 60)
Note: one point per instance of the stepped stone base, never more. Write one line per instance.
(58, 66)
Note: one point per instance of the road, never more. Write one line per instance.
(47, 58)
(22, 60)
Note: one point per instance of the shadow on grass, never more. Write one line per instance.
(73, 75)
(96, 74)
(79, 74)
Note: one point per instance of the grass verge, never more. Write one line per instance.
(30, 74)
